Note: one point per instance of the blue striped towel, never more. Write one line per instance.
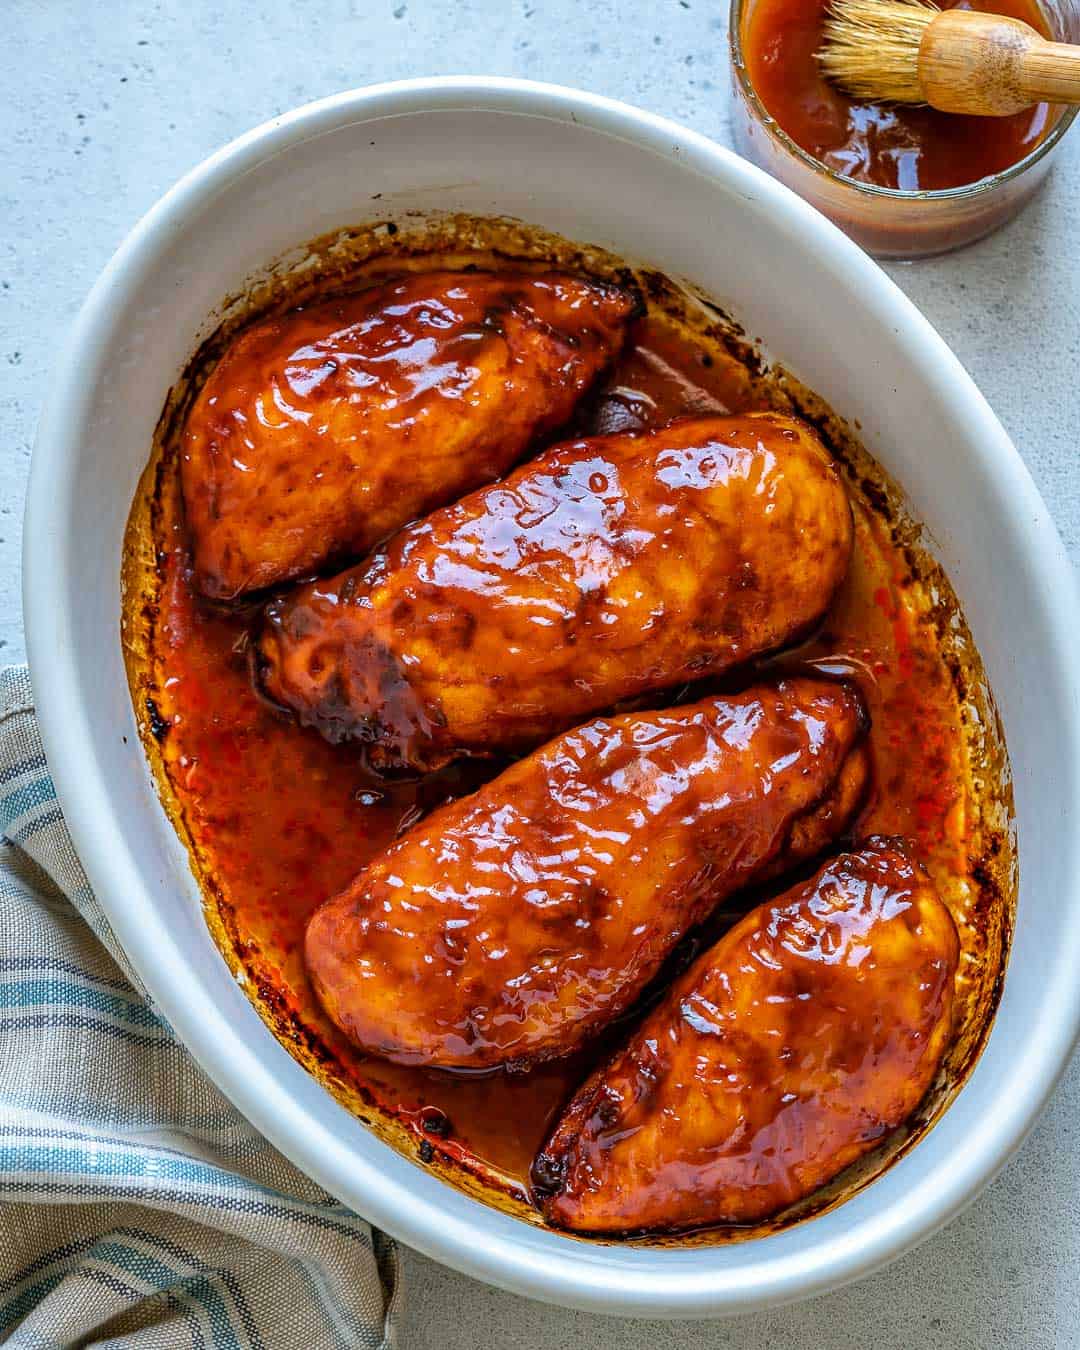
(138, 1208)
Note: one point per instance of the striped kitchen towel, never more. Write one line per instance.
(138, 1208)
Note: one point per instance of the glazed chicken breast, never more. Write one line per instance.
(322, 430)
(812, 1029)
(511, 925)
(603, 569)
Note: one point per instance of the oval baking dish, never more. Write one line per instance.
(590, 170)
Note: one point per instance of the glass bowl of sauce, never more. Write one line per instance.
(904, 182)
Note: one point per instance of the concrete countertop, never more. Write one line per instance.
(107, 104)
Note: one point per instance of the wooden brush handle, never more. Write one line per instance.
(992, 65)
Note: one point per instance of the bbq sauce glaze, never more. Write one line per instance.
(276, 820)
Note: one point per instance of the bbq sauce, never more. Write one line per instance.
(277, 820)
(891, 146)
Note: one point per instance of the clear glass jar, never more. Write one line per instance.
(890, 222)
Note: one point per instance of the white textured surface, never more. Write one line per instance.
(107, 105)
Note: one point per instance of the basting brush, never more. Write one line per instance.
(958, 61)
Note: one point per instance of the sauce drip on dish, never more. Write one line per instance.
(279, 820)
(891, 146)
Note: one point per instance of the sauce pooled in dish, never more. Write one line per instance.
(279, 820)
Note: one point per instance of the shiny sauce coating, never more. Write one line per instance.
(279, 820)
(323, 429)
(890, 145)
(789, 1049)
(512, 926)
(602, 570)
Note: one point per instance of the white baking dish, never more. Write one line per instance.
(606, 174)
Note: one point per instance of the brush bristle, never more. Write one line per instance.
(871, 47)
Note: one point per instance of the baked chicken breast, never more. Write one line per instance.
(602, 570)
(812, 1029)
(322, 430)
(510, 926)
